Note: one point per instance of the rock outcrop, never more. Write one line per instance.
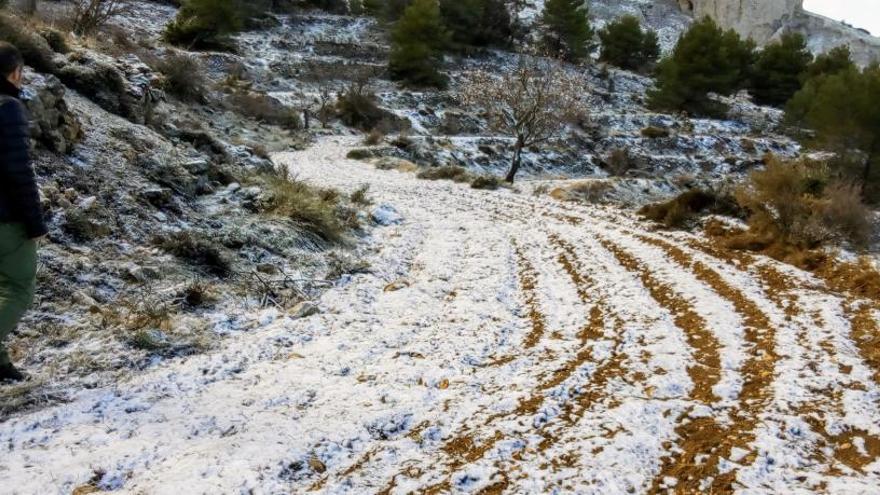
(766, 20)
(52, 123)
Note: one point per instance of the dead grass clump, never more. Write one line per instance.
(588, 191)
(683, 211)
(446, 172)
(796, 204)
(197, 250)
(318, 210)
(360, 196)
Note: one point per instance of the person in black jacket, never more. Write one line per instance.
(21, 216)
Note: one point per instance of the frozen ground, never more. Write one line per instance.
(503, 343)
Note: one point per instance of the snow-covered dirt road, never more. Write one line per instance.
(503, 343)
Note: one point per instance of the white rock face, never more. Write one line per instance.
(765, 20)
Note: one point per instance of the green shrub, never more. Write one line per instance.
(206, 24)
(835, 61)
(360, 196)
(568, 32)
(779, 70)
(417, 42)
(357, 107)
(705, 60)
(653, 132)
(627, 46)
(447, 172)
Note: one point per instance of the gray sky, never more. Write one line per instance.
(860, 13)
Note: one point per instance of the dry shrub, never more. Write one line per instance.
(359, 154)
(796, 204)
(374, 137)
(588, 191)
(446, 172)
(184, 76)
(619, 162)
(265, 108)
(360, 196)
(684, 210)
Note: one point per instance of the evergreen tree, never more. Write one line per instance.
(568, 31)
(477, 23)
(417, 41)
(627, 46)
(705, 60)
(835, 61)
(843, 109)
(207, 23)
(778, 72)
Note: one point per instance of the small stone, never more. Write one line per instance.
(386, 215)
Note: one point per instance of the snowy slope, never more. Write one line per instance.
(502, 342)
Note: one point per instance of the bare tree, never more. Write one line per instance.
(533, 103)
(90, 15)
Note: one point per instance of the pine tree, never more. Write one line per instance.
(705, 60)
(843, 109)
(627, 46)
(477, 23)
(417, 41)
(778, 72)
(835, 61)
(568, 31)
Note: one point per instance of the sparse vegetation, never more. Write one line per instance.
(446, 172)
(197, 250)
(685, 209)
(206, 24)
(34, 48)
(487, 182)
(653, 132)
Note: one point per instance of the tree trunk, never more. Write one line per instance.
(517, 159)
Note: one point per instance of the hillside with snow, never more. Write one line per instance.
(383, 333)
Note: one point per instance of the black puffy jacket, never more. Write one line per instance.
(19, 196)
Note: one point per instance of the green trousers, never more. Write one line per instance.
(18, 274)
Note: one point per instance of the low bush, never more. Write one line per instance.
(356, 107)
(652, 132)
(683, 210)
(184, 77)
(359, 154)
(265, 108)
(447, 172)
(619, 162)
(487, 182)
(374, 137)
(799, 204)
(206, 24)
(197, 250)
(35, 49)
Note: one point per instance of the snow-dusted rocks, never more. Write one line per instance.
(386, 215)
